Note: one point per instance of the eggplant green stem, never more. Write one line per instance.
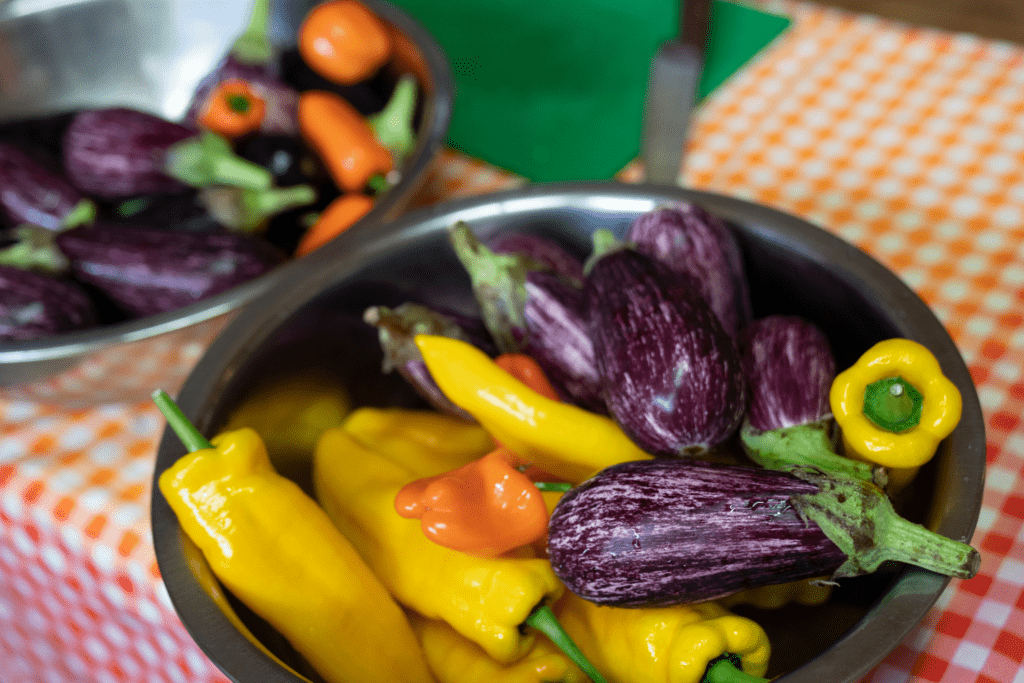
(545, 621)
(82, 213)
(604, 242)
(724, 671)
(559, 486)
(207, 159)
(253, 46)
(34, 249)
(392, 126)
(859, 518)
(176, 420)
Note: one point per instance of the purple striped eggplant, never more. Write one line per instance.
(691, 240)
(530, 308)
(666, 531)
(396, 328)
(118, 152)
(147, 271)
(671, 374)
(789, 368)
(540, 249)
(32, 193)
(34, 305)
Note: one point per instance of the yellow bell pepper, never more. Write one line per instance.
(557, 437)
(804, 592)
(484, 599)
(454, 659)
(273, 547)
(894, 405)
(663, 644)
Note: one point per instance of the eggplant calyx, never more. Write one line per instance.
(392, 126)
(604, 242)
(806, 445)
(245, 210)
(859, 518)
(397, 328)
(499, 285)
(253, 46)
(207, 159)
(82, 213)
(34, 249)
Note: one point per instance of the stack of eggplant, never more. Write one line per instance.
(656, 331)
(112, 214)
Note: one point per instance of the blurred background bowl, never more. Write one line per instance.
(60, 55)
(312, 328)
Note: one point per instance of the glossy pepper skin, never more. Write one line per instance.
(484, 599)
(664, 644)
(560, 438)
(940, 405)
(454, 659)
(277, 551)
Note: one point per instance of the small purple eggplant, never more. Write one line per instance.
(532, 309)
(671, 375)
(689, 239)
(32, 193)
(789, 368)
(541, 250)
(653, 533)
(117, 153)
(252, 59)
(396, 329)
(148, 271)
(34, 305)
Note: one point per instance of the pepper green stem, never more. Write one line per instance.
(544, 620)
(207, 159)
(859, 518)
(34, 249)
(253, 46)
(82, 213)
(244, 210)
(379, 183)
(893, 404)
(392, 126)
(559, 486)
(725, 671)
(499, 286)
(182, 426)
(806, 445)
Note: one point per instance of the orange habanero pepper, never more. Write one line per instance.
(233, 109)
(343, 139)
(485, 508)
(343, 41)
(340, 215)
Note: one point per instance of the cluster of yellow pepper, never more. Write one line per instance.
(364, 595)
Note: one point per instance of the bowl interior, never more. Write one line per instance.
(315, 328)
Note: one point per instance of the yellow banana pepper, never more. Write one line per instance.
(557, 437)
(273, 547)
(454, 659)
(894, 406)
(663, 644)
(484, 599)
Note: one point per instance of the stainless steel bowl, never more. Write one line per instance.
(59, 55)
(312, 325)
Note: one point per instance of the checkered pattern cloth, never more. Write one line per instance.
(907, 142)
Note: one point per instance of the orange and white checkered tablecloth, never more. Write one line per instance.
(905, 141)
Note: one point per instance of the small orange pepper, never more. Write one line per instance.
(233, 109)
(484, 508)
(525, 369)
(343, 139)
(340, 215)
(343, 41)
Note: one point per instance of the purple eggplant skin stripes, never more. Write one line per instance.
(540, 249)
(660, 532)
(691, 240)
(789, 368)
(672, 375)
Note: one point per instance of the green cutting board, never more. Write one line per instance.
(554, 89)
